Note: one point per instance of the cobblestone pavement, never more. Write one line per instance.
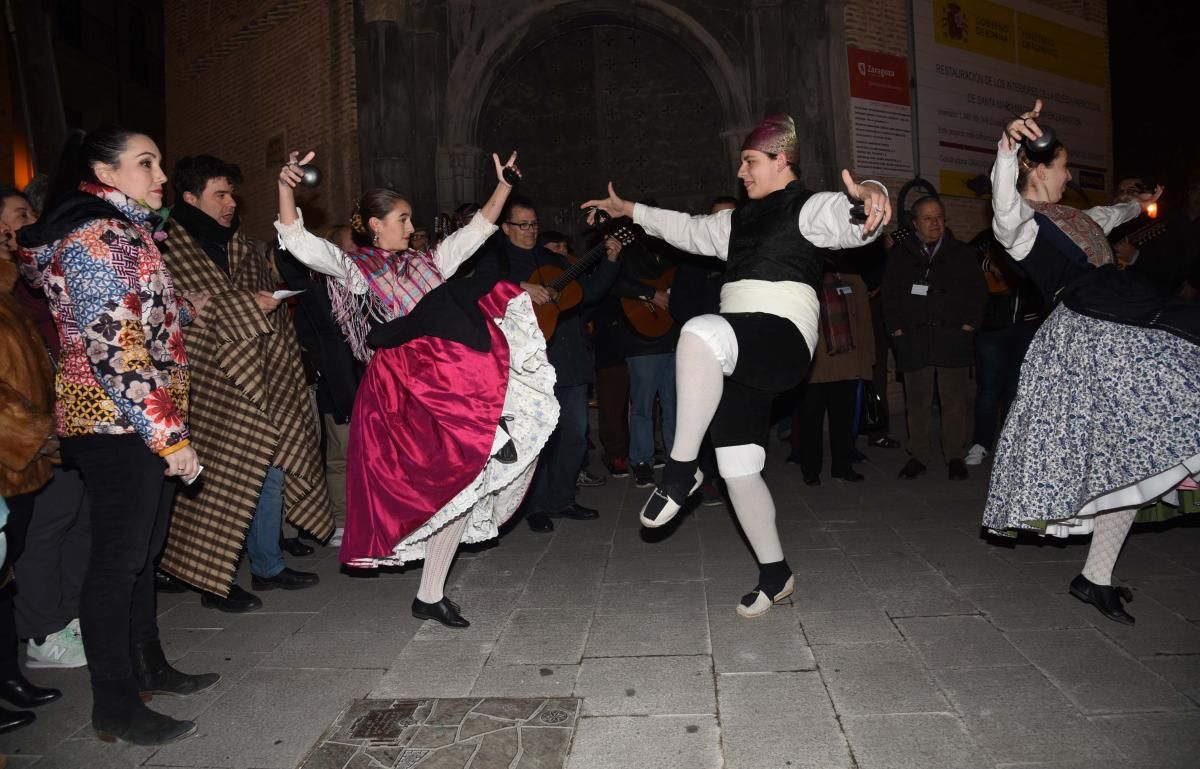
(912, 642)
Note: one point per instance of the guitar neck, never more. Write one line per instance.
(1147, 233)
(577, 269)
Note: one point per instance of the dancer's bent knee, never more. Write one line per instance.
(717, 335)
(739, 461)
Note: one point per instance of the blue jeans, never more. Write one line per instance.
(650, 375)
(998, 357)
(558, 466)
(262, 541)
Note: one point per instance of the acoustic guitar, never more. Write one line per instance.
(565, 285)
(1140, 237)
(647, 318)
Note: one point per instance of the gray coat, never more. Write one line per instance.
(932, 324)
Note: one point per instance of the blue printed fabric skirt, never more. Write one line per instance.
(1107, 417)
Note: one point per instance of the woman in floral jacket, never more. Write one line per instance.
(121, 410)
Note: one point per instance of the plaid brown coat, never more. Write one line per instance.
(250, 409)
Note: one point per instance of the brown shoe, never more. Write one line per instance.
(958, 469)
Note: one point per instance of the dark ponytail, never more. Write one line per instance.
(81, 152)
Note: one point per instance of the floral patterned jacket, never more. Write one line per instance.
(123, 368)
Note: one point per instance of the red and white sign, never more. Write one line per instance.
(881, 116)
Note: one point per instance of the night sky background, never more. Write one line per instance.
(1154, 55)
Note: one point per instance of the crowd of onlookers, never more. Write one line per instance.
(93, 406)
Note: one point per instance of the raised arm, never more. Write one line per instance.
(465, 241)
(1012, 219)
(316, 253)
(825, 217)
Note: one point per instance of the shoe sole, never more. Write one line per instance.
(31, 663)
(256, 585)
(110, 737)
(226, 610)
(661, 520)
(780, 597)
(428, 617)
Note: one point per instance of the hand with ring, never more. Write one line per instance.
(1023, 127)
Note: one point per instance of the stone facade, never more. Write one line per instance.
(655, 95)
(248, 81)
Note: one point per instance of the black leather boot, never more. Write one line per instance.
(155, 675)
(119, 714)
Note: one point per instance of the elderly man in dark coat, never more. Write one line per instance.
(933, 300)
(251, 417)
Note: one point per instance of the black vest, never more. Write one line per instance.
(765, 241)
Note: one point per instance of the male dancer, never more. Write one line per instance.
(730, 366)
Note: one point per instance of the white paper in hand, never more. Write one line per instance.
(281, 295)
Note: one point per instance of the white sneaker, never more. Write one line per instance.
(975, 455)
(63, 649)
(336, 539)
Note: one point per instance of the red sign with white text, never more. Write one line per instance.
(878, 76)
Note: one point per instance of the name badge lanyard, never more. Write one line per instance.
(921, 287)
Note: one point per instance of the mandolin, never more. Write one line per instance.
(564, 283)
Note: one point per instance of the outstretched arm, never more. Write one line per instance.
(825, 218)
(460, 245)
(704, 235)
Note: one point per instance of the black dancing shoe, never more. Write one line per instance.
(444, 611)
(1106, 598)
(756, 603)
(668, 497)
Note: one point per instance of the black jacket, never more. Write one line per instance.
(570, 349)
(643, 259)
(932, 324)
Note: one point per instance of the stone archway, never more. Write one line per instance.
(486, 52)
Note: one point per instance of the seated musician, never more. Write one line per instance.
(516, 257)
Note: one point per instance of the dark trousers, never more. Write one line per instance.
(879, 378)
(51, 569)
(954, 391)
(20, 509)
(612, 399)
(558, 466)
(131, 504)
(837, 400)
(998, 357)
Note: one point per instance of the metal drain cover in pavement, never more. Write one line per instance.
(449, 733)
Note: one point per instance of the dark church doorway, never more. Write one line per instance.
(608, 102)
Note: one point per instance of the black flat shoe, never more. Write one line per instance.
(238, 601)
(23, 694)
(540, 522)
(850, 476)
(444, 611)
(911, 470)
(165, 583)
(15, 719)
(288, 579)
(293, 546)
(577, 512)
(1104, 597)
(812, 480)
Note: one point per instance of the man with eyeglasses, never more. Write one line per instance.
(515, 258)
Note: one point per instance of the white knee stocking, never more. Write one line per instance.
(439, 554)
(1107, 539)
(756, 513)
(699, 381)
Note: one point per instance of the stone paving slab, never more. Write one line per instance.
(874, 663)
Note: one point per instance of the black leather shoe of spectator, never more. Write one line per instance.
(288, 579)
(238, 601)
(911, 470)
(540, 522)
